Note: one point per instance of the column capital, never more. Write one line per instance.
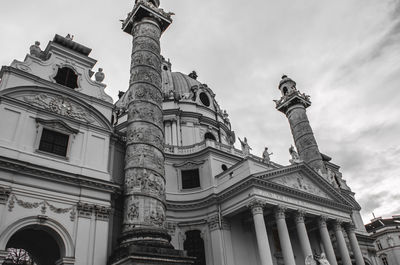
(256, 206)
(299, 216)
(349, 227)
(337, 224)
(322, 221)
(280, 212)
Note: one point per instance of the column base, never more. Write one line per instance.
(145, 255)
(148, 237)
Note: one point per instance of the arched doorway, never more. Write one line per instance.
(33, 245)
(194, 245)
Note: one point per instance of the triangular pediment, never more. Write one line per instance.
(303, 181)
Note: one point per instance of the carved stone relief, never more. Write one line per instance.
(302, 183)
(145, 75)
(43, 206)
(146, 58)
(146, 30)
(146, 181)
(147, 44)
(144, 156)
(144, 111)
(146, 134)
(59, 105)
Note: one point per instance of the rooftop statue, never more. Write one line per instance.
(245, 146)
(99, 75)
(266, 156)
(35, 51)
(295, 156)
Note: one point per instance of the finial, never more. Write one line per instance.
(193, 75)
(284, 76)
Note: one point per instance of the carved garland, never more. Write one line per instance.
(43, 206)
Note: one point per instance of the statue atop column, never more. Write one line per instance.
(245, 146)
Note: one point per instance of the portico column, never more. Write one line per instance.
(354, 244)
(344, 252)
(264, 250)
(326, 240)
(284, 238)
(302, 234)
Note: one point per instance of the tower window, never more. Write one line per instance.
(67, 77)
(204, 99)
(285, 90)
(190, 178)
(194, 245)
(224, 167)
(54, 142)
(210, 136)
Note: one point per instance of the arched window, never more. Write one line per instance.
(33, 246)
(67, 77)
(194, 245)
(210, 136)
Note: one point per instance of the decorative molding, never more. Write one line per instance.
(256, 206)
(322, 221)
(189, 164)
(43, 206)
(21, 167)
(87, 210)
(300, 216)
(215, 223)
(58, 125)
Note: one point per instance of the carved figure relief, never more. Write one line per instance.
(133, 210)
(59, 105)
(145, 75)
(146, 135)
(146, 58)
(301, 183)
(145, 156)
(156, 215)
(145, 43)
(143, 111)
(145, 181)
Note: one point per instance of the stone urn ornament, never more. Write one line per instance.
(99, 76)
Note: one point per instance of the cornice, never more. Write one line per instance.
(22, 167)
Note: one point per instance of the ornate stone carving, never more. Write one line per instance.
(322, 221)
(144, 156)
(266, 156)
(4, 194)
(302, 183)
(138, 179)
(59, 105)
(295, 157)
(145, 75)
(280, 211)
(142, 112)
(299, 216)
(146, 135)
(155, 215)
(256, 206)
(133, 210)
(146, 58)
(245, 146)
(88, 210)
(337, 225)
(35, 51)
(43, 206)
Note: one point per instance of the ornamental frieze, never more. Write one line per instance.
(59, 105)
(44, 205)
(4, 194)
(147, 30)
(155, 214)
(148, 135)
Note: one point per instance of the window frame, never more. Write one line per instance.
(57, 126)
(199, 181)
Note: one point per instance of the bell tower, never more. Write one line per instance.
(293, 104)
(144, 238)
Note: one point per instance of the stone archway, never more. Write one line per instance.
(46, 241)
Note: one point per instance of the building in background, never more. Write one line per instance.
(64, 183)
(386, 235)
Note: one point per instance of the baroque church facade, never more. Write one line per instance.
(87, 181)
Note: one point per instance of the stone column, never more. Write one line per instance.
(174, 133)
(302, 234)
(350, 230)
(264, 250)
(284, 237)
(326, 240)
(144, 190)
(344, 252)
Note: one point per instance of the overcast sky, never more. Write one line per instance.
(345, 54)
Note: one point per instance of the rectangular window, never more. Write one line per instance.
(190, 178)
(54, 142)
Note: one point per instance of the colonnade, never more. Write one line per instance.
(280, 214)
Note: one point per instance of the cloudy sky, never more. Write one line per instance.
(345, 54)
